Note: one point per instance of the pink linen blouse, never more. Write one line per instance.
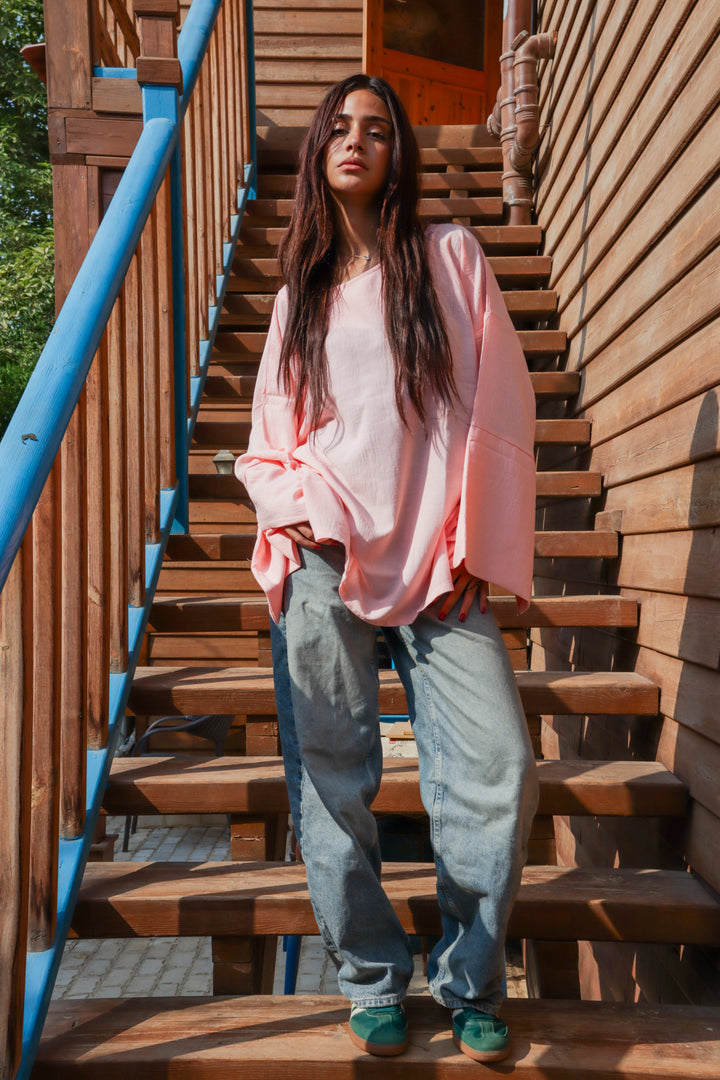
(407, 505)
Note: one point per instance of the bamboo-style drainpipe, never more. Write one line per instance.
(515, 119)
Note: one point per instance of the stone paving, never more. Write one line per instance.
(167, 967)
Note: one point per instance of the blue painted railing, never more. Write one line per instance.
(35, 432)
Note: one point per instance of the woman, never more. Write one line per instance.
(390, 463)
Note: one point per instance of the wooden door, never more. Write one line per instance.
(442, 56)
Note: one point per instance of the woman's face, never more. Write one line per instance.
(356, 160)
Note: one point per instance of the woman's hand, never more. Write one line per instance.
(303, 536)
(467, 587)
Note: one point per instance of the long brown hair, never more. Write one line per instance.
(413, 318)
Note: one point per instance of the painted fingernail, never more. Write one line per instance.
(441, 617)
(462, 618)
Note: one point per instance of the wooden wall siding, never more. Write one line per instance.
(302, 47)
(629, 201)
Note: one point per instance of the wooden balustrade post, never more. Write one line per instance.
(16, 795)
(117, 493)
(192, 316)
(249, 52)
(98, 547)
(71, 30)
(158, 65)
(197, 163)
(43, 539)
(208, 171)
(233, 61)
(163, 302)
(151, 378)
(135, 435)
(73, 628)
(160, 75)
(243, 96)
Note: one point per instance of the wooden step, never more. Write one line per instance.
(555, 903)
(500, 239)
(213, 513)
(241, 785)
(436, 209)
(218, 425)
(433, 158)
(186, 691)
(282, 185)
(239, 352)
(569, 485)
(255, 309)
(231, 386)
(239, 387)
(210, 546)
(257, 275)
(200, 613)
(577, 545)
(274, 158)
(554, 384)
(562, 432)
(217, 499)
(233, 547)
(541, 344)
(305, 1037)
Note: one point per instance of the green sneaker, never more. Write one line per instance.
(481, 1036)
(382, 1031)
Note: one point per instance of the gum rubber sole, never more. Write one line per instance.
(391, 1050)
(480, 1055)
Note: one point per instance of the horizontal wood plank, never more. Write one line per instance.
(685, 498)
(234, 613)
(554, 903)
(161, 785)
(252, 1037)
(239, 691)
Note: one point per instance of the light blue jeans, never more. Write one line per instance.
(477, 780)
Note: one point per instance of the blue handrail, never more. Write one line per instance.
(36, 430)
(37, 427)
(193, 42)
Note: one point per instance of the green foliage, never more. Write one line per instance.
(26, 237)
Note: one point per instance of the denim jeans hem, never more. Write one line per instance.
(449, 1001)
(377, 1002)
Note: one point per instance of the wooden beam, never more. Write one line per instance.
(69, 53)
(101, 135)
(116, 96)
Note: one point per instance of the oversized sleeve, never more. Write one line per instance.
(496, 520)
(269, 470)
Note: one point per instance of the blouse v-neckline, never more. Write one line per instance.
(357, 277)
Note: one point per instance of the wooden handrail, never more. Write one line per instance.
(95, 461)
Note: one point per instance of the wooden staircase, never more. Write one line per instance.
(208, 652)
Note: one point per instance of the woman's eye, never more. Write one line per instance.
(377, 135)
